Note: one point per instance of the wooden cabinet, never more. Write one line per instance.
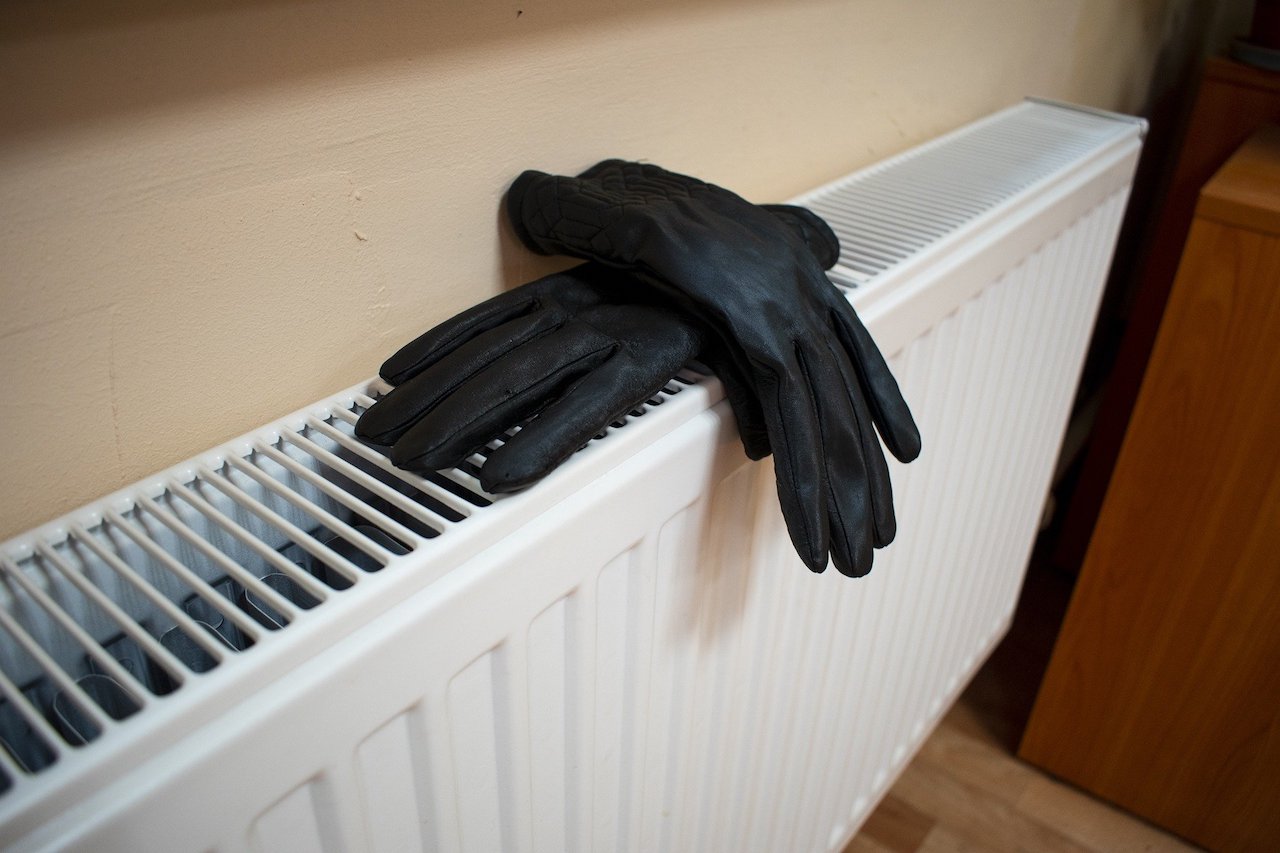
(1163, 694)
(1233, 101)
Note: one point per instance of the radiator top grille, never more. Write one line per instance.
(111, 611)
(894, 210)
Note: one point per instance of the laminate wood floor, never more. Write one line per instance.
(967, 791)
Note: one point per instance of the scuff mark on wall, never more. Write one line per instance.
(113, 385)
(52, 321)
(378, 310)
(902, 134)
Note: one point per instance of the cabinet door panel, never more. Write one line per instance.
(1164, 690)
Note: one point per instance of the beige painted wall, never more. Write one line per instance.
(215, 212)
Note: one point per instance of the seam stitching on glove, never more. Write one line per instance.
(563, 369)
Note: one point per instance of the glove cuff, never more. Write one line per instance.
(516, 195)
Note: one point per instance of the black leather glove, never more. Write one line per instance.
(577, 349)
(822, 383)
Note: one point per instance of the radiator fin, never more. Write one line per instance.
(615, 667)
(292, 824)
(391, 763)
(481, 754)
(555, 721)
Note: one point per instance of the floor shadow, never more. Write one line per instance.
(1003, 691)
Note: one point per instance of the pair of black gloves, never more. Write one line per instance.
(679, 269)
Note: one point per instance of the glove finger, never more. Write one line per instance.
(875, 491)
(752, 428)
(499, 397)
(888, 408)
(792, 421)
(443, 339)
(848, 498)
(601, 397)
(811, 228)
(390, 417)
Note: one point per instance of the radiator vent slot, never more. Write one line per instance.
(120, 611)
(894, 210)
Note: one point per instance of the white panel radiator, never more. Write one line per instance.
(288, 645)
